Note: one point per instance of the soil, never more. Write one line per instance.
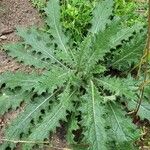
(15, 13)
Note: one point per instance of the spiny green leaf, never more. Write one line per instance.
(119, 87)
(22, 124)
(39, 83)
(144, 110)
(19, 79)
(106, 40)
(124, 34)
(51, 120)
(101, 15)
(72, 126)
(147, 91)
(53, 20)
(99, 69)
(93, 121)
(39, 44)
(84, 52)
(10, 99)
(130, 53)
(19, 52)
(121, 131)
(111, 37)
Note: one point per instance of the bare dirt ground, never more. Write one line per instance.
(15, 13)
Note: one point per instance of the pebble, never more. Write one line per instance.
(3, 37)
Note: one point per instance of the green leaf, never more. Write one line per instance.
(53, 21)
(121, 131)
(72, 126)
(21, 54)
(38, 83)
(40, 44)
(144, 109)
(101, 15)
(22, 124)
(99, 69)
(10, 99)
(119, 87)
(19, 79)
(84, 52)
(111, 37)
(51, 120)
(130, 53)
(105, 41)
(147, 91)
(92, 119)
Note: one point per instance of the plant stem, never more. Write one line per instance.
(146, 64)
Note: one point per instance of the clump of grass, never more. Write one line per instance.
(135, 11)
(39, 4)
(76, 14)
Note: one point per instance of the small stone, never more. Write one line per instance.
(3, 37)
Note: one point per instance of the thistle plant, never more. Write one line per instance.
(82, 86)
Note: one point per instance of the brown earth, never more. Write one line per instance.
(15, 13)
